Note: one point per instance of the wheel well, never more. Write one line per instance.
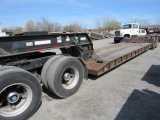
(127, 35)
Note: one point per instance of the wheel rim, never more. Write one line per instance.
(15, 99)
(70, 77)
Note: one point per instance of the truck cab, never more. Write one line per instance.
(128, 30)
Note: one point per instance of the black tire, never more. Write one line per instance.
(16, 82)
(56, 72)
(116, 40)
(45, 69)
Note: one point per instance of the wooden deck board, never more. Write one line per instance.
(109, 56)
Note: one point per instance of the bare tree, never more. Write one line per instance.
(57, 27)
(114, 25)
(98, 23)
(142, 22)
(14, 29)
(17, 28)
(30, 26)
(107, 23)
(74, 27)
(7, 29)
(46, 25)
(158, 21)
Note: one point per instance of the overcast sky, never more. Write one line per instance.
(17, 12)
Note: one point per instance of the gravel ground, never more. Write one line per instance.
(129, 92)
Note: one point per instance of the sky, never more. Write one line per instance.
(17, 12)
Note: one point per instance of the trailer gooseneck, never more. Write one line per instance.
(24, 66)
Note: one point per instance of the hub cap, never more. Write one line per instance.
(67, 76)
(13, 97)
(70, 77)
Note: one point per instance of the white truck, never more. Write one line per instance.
(128, 30)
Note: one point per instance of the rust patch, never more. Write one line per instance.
(94, 67)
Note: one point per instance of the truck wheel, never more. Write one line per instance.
(116, 40)
(45, 69)
(65, 76)
(20, 94)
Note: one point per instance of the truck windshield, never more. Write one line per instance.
(127, 26)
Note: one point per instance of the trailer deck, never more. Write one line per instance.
(114, 56)
(77, 45)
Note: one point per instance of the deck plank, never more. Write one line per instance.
(109, 56)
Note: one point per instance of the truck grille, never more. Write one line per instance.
(117, 33)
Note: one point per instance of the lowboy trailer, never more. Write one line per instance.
(25, 63)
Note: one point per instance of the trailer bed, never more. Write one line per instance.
(115, 55)
(15, 50)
